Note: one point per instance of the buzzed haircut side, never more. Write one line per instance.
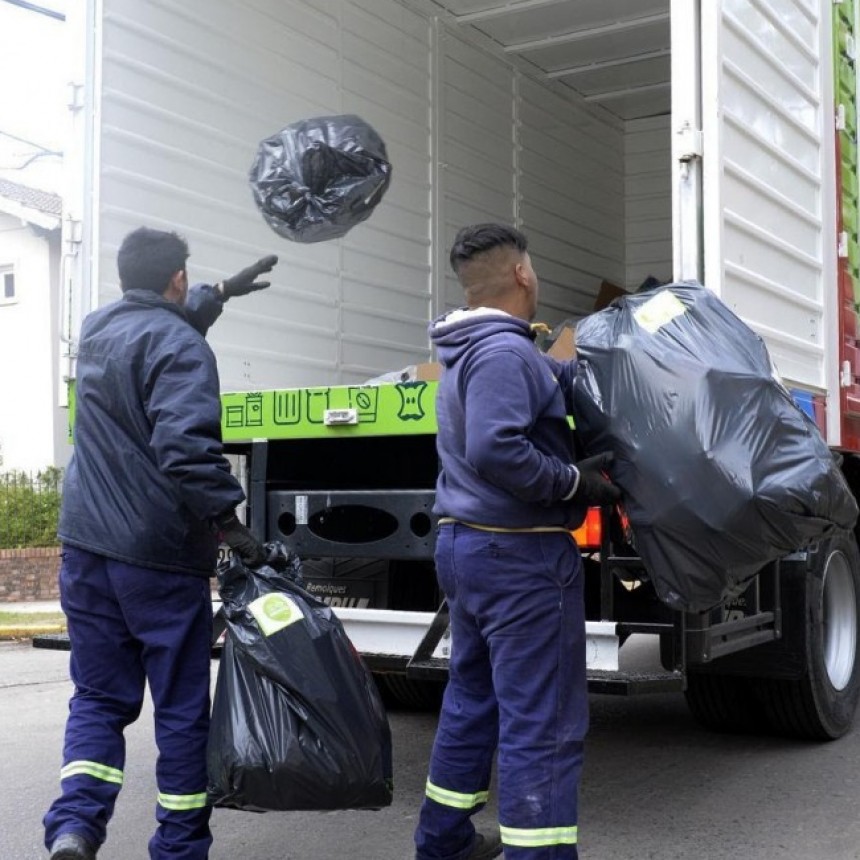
(480, 238)
(482, 255)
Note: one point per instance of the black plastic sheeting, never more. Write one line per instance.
(721, 471)
(316, 179)
(297, 722)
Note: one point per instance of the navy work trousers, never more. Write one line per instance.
(129, 625)
(516, 681)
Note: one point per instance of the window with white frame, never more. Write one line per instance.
(8, 291)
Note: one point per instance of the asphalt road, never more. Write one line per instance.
(655, 786)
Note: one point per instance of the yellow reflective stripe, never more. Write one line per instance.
(454, 798)
(92, 768)
(539, 837)
(181, 802)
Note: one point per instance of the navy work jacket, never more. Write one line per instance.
(148, 473)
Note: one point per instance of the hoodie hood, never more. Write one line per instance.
(455, 332)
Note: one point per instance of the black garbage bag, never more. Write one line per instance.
(297, 722)
(721, 471)
(316, 179)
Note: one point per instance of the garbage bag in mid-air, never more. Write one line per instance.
(316, 179)
(297, 721)
(721, 471)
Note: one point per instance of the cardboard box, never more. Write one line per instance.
(608, 291)
(429, 371)
(564, 347)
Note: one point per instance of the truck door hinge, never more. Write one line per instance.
(73, 233)
(691, 143)
(75, 100)
(842, 246)
(690, 149)
(846, 377)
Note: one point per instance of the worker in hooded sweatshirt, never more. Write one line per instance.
(147, 495)
(508, 494)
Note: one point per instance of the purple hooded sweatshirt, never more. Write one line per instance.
(503, 438)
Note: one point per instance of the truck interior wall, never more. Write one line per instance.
(648, 200)
(179, 127)
(188, 92)
(516, 151)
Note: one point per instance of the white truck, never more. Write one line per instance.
(706, 139)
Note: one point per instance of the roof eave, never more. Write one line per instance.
(45, 220)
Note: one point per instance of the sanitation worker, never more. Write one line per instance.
(508, 494)
(147, 495)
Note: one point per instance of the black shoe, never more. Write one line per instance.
(70, 846)
(486, 846)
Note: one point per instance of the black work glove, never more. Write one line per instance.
(594, 487)
(246, 281)
(239, 538)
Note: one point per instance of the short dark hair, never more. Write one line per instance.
(148, 259)
(480, 238)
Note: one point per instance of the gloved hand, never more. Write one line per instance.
(246, 281)
(594, 487)
(284, 561)
(239, 538)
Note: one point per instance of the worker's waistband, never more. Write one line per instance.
(444, 521)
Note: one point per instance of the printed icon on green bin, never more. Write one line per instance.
(274, 612)
(288, 407)
(365, 400)
(410, 393)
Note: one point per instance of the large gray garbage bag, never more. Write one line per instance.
(721, 471)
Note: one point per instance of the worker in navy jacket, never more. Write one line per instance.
(147, 497)
(508, 494)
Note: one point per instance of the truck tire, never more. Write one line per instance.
(400, 692)
(724, 703)
(820, 705)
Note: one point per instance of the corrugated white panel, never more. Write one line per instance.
(190, 88)
(570, 199)
(648, 200)
(476, 149)
(765, 160)
(515, 151)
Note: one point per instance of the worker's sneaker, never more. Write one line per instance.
(70, 846)
(486, 846)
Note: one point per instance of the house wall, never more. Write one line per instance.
(30, 421)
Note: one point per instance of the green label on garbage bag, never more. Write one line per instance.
(274, 612)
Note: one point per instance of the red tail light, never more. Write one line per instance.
(589, 533)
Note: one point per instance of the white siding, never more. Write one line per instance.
(766, 159)
(190, 89)
(516, 151)
(648, 200)
(571, 199)
(477, 170)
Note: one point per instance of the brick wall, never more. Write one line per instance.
(29, 574)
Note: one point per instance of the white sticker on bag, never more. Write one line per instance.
(274, 612)
(656, 312)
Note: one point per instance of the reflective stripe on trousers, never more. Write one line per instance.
(93, 769)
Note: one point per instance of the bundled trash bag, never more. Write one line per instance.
(316, 179)
(721, 471)
(297, 722)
